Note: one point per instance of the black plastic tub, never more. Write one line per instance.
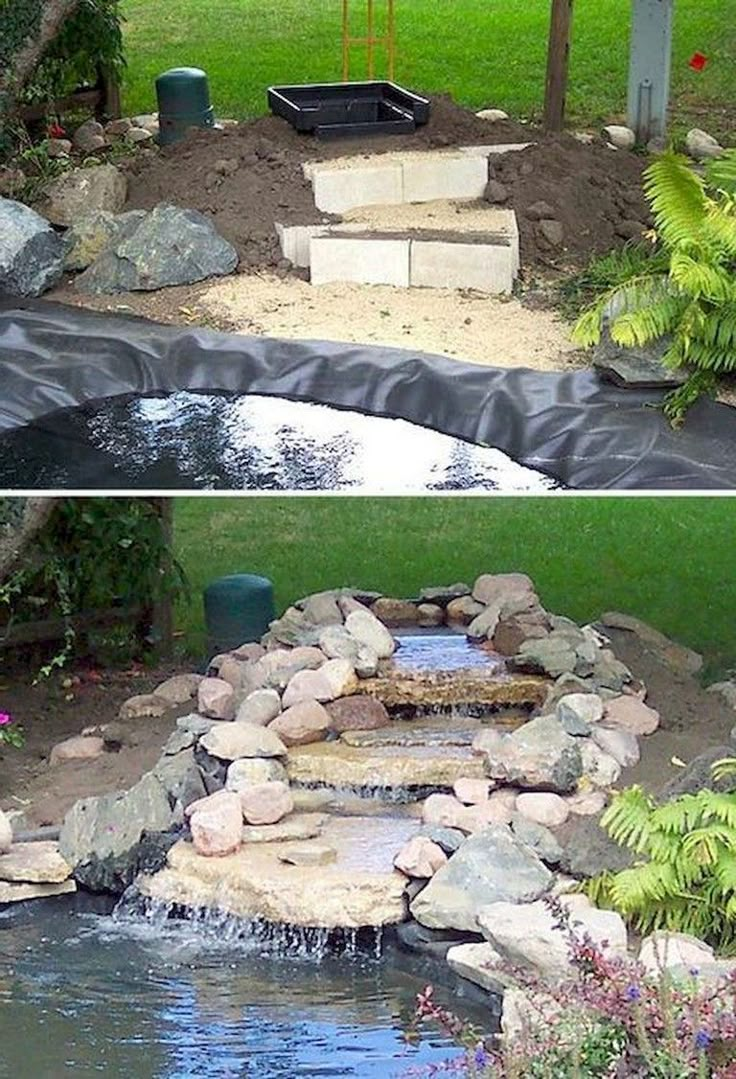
(349, 109)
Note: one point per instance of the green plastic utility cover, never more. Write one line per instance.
(237, 609)
(183, 95)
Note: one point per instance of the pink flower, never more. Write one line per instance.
(5, 719)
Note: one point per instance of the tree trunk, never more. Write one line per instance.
(26, 58)
(20, 520)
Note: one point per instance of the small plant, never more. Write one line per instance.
(687, 880)
(687, 294)
(10, 733)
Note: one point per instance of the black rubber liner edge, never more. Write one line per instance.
(588, 434)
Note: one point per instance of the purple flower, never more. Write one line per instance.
(702, 1039)
(633, 993)
(481, 1057)
(5, 719)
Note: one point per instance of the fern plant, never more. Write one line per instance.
(686, 880)
(691, 300)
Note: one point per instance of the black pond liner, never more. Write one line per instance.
(572, 427)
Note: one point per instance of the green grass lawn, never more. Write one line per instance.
(667, 560)
(483, 52)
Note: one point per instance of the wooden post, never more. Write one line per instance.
(162, 611)
(560, 29)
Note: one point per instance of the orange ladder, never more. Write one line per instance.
(370, 40)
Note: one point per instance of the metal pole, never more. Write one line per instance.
(649, 67)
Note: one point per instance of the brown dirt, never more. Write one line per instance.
(249, 176)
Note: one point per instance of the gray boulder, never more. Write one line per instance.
(109, 839)
(31, 252)
(78, 192)
(93, 233)
(588, 850)
(180, 777)
(541, 840)
(170, 246)
(491, 866)
(553, 655)
(538, 756)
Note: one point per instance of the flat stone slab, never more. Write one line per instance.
(295, 826)
(17, 892)
(34, 863)
(360, 888)
(335, 764)
(455, 690)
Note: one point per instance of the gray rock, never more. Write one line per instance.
(447, 838)
(577, 711)
(540, 839)
(31, 253)
(701, 146)
(539, 211)
(179, 740)
(496, 192)
(609, 672)
(726, 691)
(88, 137)
(294, 628)
(418, 939)
(623, 138)
(93, 233)
(491, 866)
(337, 643)
(588, 850)
(109, 839)
(250, 771)
(196, 724)
(78, 192)
(640, 366)
(259, 707)
(551, 231)
(538, 756)
(444, 594)
(171, 246)
(322, 610)
(698, 776)
(180, 777)
(622, 745)
(553, 655)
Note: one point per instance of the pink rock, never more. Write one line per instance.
(442, 809)
(301, 724)
(144, 705)
(357, 713)
(474, 818)
(472, 791)
(266, 803)
(628, 713)
(249, 652)
(216, 699)
(622, 745)
(498, 587)
(216, 824)
(420, 857)
(543, 808)
(335, 678)
(505, 797)
(587, 803)
(179, 689)
(231, 670)
(78, 748)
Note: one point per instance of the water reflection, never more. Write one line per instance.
(209, 442)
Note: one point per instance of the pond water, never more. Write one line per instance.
(87, 994)
(207, 442)
(438, 651)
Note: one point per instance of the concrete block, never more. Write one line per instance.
(443, 177)
(486, 267)
(337, 190)
(295, 241)
(367, 261)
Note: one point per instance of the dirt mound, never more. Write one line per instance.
(249, 176)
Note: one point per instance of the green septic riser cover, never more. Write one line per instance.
(183, 95)
(237, 609)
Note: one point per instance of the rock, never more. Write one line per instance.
(76, 193)
(368, 630)
(551, 231)
(259, 707)
(442, 595)
(293, 628)
(12, 892)
(366, 662)
(322, 609)
(442, 809)
(298, 826)
(433, 943)
(395, 612)
(58, 148)
(480, 964)
(472, 791)
(138, 135)
(490, 866)
(254, 771)
(88, 137)
(118, 128)
(538, 755)
(179, 689)
(577, 711)
(701, 146)
(430, 614)
(142, 706)
(463, 610)
(335, 678)
(539, 211)
(108, 839)
(216, 824)
(231, 671)
(540, 839)
(553, 655)
(587, 803)
(677, 657)
(34, 863)
(628, 713)
(698, 775)
(587, 138)
(449, 839)
(231, 741)
(196, 724)
(510, 633)
(149, 120)
(216, 699)
(257, 675)
(78, 748)
(249, 652)
(498, 588)
(31, 253)
(663, 950)
(547, 809)
(12, 182)
(527, 936)
(336, 643)
(629, 229)
(599, 767)
(6, 833)
(420, 857)
(171, 246)
(93, 233)
(357, 713)
(492, 115)
(305, 722)
(726, 691)
(589, 851)
(266, 803)
(623, 138)
(180, 777)
(621, 745)
(484, 624)
(609, 672)
(309, 854)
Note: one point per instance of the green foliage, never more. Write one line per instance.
(607, 272)
(691, 301)
(687, 880)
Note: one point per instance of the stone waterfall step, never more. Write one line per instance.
(358, 888)
(382, 767)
